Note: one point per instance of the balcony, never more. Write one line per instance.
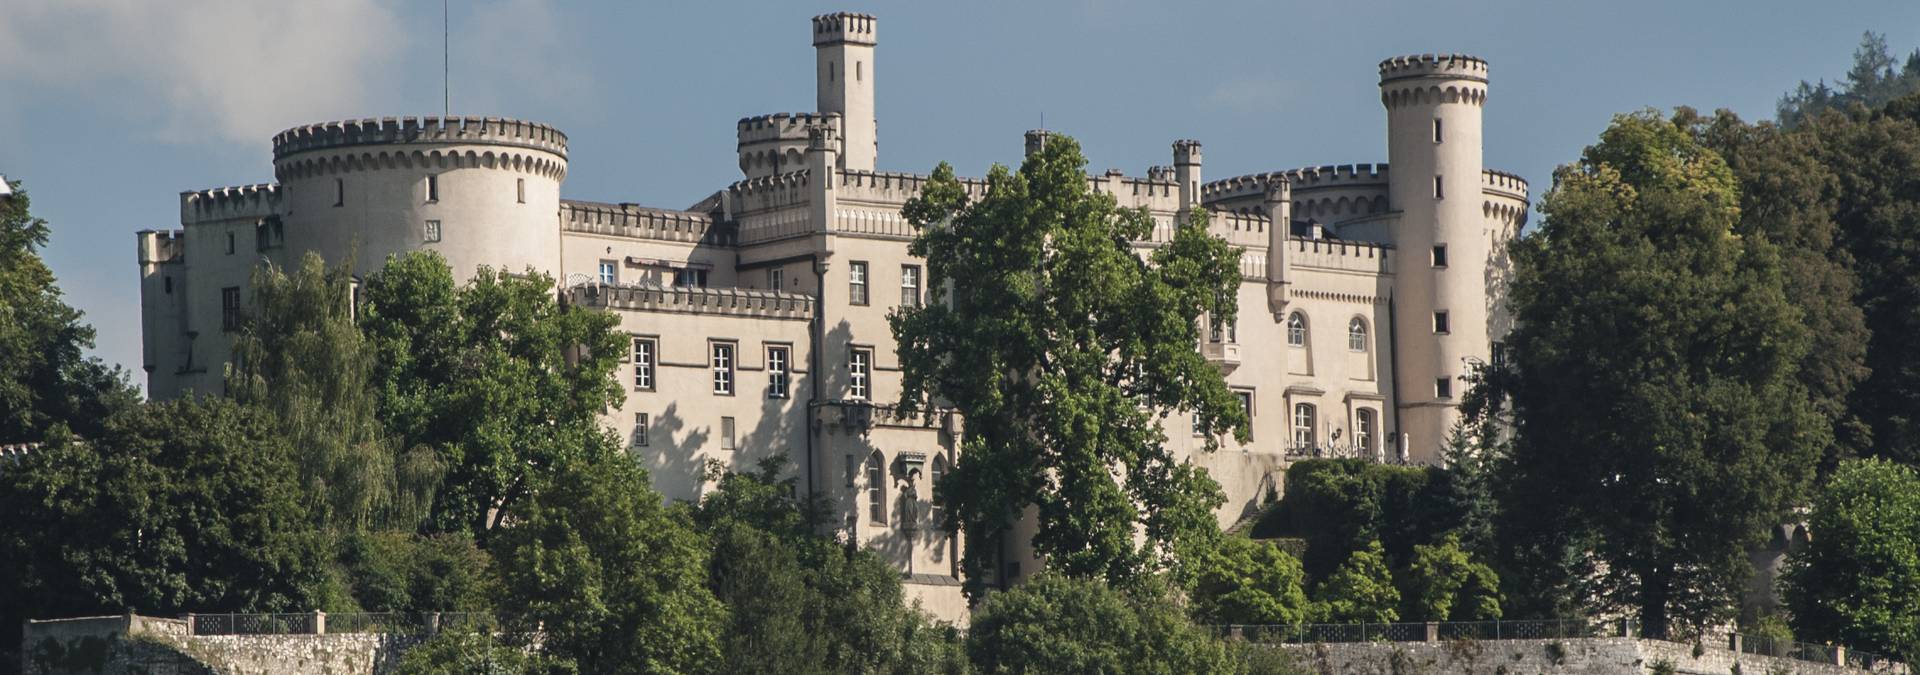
(1225, 355)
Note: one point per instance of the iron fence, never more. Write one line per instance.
(315, 623)
(252, 624)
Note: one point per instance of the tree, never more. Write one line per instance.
(190, 505)
(46, 379)
(1444, 583)
(1361, 590)
(1654, 378)
(1057, 624)
(1339, 506)
(473, 653)
(1250, 582)
(1871, 82)
(616, 579)
(1858, 581)
(1065, 350)
(497, 377)
(406, 572)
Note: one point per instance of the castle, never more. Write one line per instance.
(758, 315)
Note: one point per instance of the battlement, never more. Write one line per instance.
(743, 302)
(1186, 151)
(639, 222)
(1339, 254)
(1303, 179)
(771, 144)
(887, 187)
(1503, 183)
(243, 201)
(1435, 66)
(782, 126)
(844, 27)
(162, 246)
(392, 130)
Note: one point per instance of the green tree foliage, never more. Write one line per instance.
(1360, 590)
(1444, 583)
(1341, 505)
(617, 578)
(1858, 581)
(1064, 349)
(405, 572)
(180, 506)
(300, 357)
(497, 377)
(474, 653)
(802, 603)
(1875, 78)
(1654, 377)
(1249, 582)
(1059, 624)
(46, 379)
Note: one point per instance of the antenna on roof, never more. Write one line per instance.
(446, 62)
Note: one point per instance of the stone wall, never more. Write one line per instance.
(1592, 656)
(137, 644)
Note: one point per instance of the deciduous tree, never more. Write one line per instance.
(1858, 581)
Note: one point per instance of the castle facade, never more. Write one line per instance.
(757, 316)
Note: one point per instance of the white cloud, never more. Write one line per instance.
(196, 70)
(509, 55)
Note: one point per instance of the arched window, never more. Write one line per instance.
(938, 470)
(1303, 425)
(876, 489)
(1357, 334)
(1363, 429)
(1297, 329)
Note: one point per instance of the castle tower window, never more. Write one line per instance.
(857, 282)
(859, 71)
(229, 243)
(1357, 335)
(934, 474)
(1199, 426)
(1443, 387)
(520, 189)
(339, 192)
(1436, 130)
(1246, 406)
(169, 284)
(1363, 433)
(639, 430)
(776, 278)
(876, 489)
(1439, 255)
(433, 231)
(1303, 426)
(1297, 330)
(1438, 191)
(433, 188)
(644, 349)
(909, 286)
(722, 366)
(230, 308)
(860, 374)
(726, 434)
(1440, 326)
(609, 273)
(852, 470)
(777, 359)
(688, 277)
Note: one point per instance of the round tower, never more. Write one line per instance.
(480, 191)
(1441, 310)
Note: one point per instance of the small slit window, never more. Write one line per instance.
(1436, 130)
(520, 190)
(433, 188)
(1439, 192)
(1440, 324)
(339, 192)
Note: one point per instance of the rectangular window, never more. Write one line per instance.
(726, 434)
(723, 368)
(230, 308)
(1499, 353)
(229, 243)
(643, 361)
(777, 360)
(776, 278)
(1438, 191)
(687, 277)
(1246, 405)
(860, 371)
(1199, 426)
(433, 188)
(609, 272)
(1215, 331)
(169, 283)
(1443, 387)
(339, 192)
(639, 430)
(433, 231)
(876, 490)
(1439, 255)
(909, 285)
(1440, 323)
(857, 282)
(1436, 130)
(1363, 429)
(1304, 426)
(1233, 331)
(520, 190)
(852, 470)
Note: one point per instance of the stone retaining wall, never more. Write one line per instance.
(1590, 656)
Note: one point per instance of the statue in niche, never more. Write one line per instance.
(910, 501)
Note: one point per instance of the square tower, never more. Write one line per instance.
(843, 45)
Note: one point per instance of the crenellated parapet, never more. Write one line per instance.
(777, 143)
(420, 130)
(1504, 184)
(851, 27)
(883, 187)
(1428, 79)
(230, 203)
(639, 222)
(1341, 255)
(162, 246)
(310, 165)
(743, 302)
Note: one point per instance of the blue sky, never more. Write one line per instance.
(110, 108)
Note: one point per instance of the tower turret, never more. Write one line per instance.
(843, 49)
(1278, 202)
(1434, 106)
(1186, 170)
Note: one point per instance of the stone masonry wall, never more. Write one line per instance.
(1595, 656)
